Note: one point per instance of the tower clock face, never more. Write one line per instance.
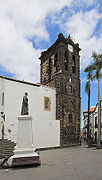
(70, 48)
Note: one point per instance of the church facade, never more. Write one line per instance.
(60, 68)
(54, 103)
(42, 108)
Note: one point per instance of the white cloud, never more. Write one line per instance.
(83, 3)
(21, 20)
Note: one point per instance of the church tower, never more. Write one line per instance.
(60, 68)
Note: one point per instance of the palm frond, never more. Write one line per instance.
(97, 64)
(94, 56)
(93, 77)
(88, 68)
(100, 75)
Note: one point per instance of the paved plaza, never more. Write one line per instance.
(73, 163)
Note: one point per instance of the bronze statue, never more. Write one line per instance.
(24, 110)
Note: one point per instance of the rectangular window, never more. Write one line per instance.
(47, 104)
(66, 65)
(66, 60)
(2, 98)
(96, 125)
(70, 118)
(73, 64)
(73, 68)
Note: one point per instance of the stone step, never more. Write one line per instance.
(6, 154)
(1, 145)
(6, 143)
(4, 151)
(3, 156)
(5, 140)
(6, 148)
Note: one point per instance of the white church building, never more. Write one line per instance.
(42, 107)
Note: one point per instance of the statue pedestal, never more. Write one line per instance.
(24, 153)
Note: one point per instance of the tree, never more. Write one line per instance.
(97, 65)
(88, 69)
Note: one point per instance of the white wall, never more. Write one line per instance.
(2, 89)
(46, 129)
(2, 108)
(47, 133)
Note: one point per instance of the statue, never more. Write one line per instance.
(24, 110)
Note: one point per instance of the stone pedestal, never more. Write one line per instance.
(24, 153)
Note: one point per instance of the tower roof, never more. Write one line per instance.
(62, 39)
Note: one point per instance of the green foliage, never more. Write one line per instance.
(97, 64)
(89, 70)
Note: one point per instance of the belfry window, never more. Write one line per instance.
(50, 69)
(50, 65)
(73, 64)
(66, 60)
(70, 89)
(70, 118)
(55, 61)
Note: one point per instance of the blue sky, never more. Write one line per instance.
(29, 27)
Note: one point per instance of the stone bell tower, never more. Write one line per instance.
(60, 68)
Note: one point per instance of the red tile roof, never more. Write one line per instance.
(91, 109)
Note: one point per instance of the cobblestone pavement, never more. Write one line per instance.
(73, 163)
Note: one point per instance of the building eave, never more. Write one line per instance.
(19, 81)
